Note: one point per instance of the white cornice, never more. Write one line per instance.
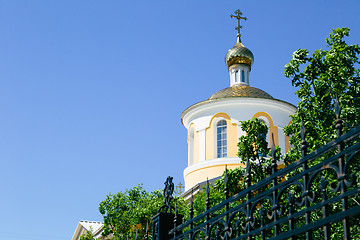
(211, 163)
(238, 102)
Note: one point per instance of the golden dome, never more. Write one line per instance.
(236, 91)
(239, 54)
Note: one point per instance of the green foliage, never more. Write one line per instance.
(88, 235)
(128, 213)
(320, 79)
(327, 75)
(199, 203)
(236, 181)
(252, 146)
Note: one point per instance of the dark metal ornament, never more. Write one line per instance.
(168, 192)
(238, 17)
(168, 195)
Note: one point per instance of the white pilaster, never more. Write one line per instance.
(239, 74)
(202, 145)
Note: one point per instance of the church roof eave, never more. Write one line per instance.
(219, 99)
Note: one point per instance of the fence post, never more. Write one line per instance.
(291, 202)
(226, 193)
(262, 216)
(248, 197)
(163, 222)
(191, 212)
(306, 177)
(323, 184)
(341, 178)
(207, 236)
(275, 207)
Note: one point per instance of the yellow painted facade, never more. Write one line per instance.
(273, 130)
(210, 148)
(210, 172)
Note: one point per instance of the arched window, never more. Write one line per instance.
(221, 139)
(242, 76)
(263, 136)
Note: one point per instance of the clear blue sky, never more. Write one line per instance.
(91, 93)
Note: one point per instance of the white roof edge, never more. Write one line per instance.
(85, 224)
(209, 104)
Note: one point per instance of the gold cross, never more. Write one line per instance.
(238, 17)
(179, 188)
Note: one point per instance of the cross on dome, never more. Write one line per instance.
(238, 17)
(239, 58)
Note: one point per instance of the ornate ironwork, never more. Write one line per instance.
(164, 221)
(168, 195)
(303, 140)
(308, 199)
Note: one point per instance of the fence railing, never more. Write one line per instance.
(317, 197)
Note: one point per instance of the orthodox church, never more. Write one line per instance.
(213, 125)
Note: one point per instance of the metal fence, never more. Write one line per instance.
(316, 197)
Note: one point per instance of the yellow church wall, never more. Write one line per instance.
(210, 172)
(204, 169)
(210, 137)
(274, 130)
(232, 139)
